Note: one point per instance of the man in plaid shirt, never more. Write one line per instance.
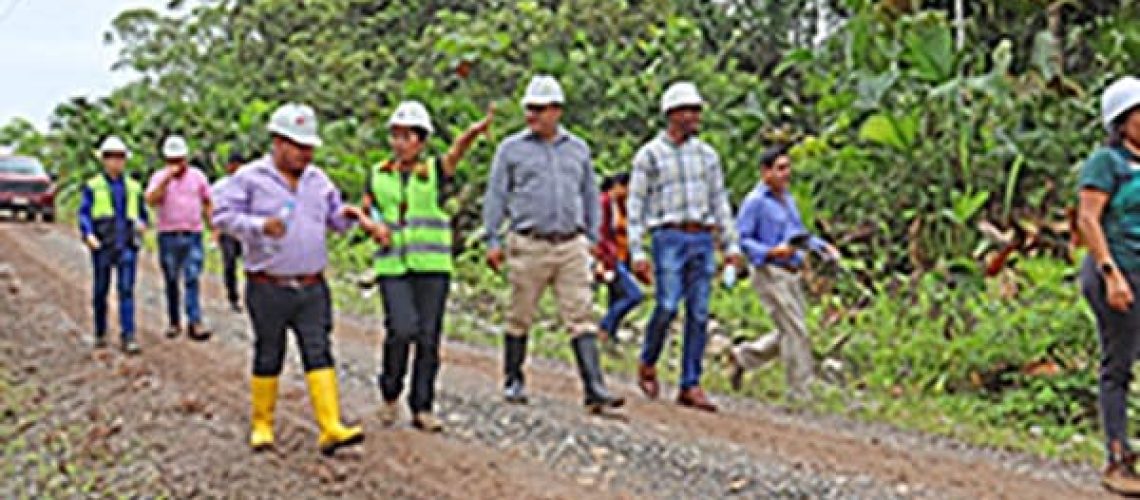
(677, 191)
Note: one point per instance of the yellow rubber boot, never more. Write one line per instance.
(263, 395)
(326, 406)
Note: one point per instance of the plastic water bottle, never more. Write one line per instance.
(729, 276)
(271, 244)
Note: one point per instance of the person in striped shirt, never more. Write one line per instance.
(677, 193)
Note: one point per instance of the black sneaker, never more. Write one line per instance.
(100, 342)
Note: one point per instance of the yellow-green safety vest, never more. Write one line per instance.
(101, 205)
(421, 229)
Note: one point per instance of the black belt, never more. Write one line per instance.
(550, 237)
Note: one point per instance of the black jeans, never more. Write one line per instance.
(274, 309)
(1119, 334)
(231, 251)
(413, 314)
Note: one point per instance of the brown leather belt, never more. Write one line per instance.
(787, 267)
(550, 237)
(688, 227)
(298, 281)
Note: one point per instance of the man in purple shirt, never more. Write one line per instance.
(770, 228)
(280, 207)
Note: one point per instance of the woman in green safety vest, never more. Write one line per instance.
(413, 265)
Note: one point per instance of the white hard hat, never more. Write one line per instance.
(411, 114)
(680, 94)
(296, 122)
(543, 90)
(1121, 96)
(113, 144)
(175, 147)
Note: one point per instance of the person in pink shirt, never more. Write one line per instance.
(181, 195)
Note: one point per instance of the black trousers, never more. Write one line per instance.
(1119, 334)
(275, 309)
(413, 315)
(231, 251)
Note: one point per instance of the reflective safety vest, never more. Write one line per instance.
(103, 208)
(421, 229)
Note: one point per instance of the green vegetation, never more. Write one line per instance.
(906, 143)
(46, 455)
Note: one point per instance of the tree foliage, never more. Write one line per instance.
(904, 141)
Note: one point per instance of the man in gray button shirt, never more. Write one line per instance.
(542, 179)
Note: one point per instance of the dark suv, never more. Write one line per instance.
(26, 187)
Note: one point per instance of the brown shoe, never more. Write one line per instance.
(1119, 475)
(647, 380)
(388, 413)
(1119, 478)
(694, 397)
(198, 333)
(604, 336)
(427, 422)
(735, 373)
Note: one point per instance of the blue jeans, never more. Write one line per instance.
(181, 254)
(684, 266)
(123, 262)
(624, 296)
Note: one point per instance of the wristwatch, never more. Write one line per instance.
(1107, 268)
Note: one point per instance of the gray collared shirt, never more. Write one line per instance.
(547, 187)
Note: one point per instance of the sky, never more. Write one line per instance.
(52, 50)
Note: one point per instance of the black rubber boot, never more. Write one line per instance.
(590, 368)
(514, 354)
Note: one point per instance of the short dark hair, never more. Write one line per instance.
(236, 157)
(421, 132)
(618, 179)
(770, 155)
(1116, 132)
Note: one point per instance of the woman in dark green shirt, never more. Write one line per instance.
(1109, 221)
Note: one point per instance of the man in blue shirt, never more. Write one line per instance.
(111, 214)
(771, 232)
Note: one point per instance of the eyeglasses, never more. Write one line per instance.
(692, 109)
(538, 108)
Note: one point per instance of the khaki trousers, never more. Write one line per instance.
(533, 265)
(781, 291)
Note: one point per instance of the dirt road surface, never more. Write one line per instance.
(174, 420)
